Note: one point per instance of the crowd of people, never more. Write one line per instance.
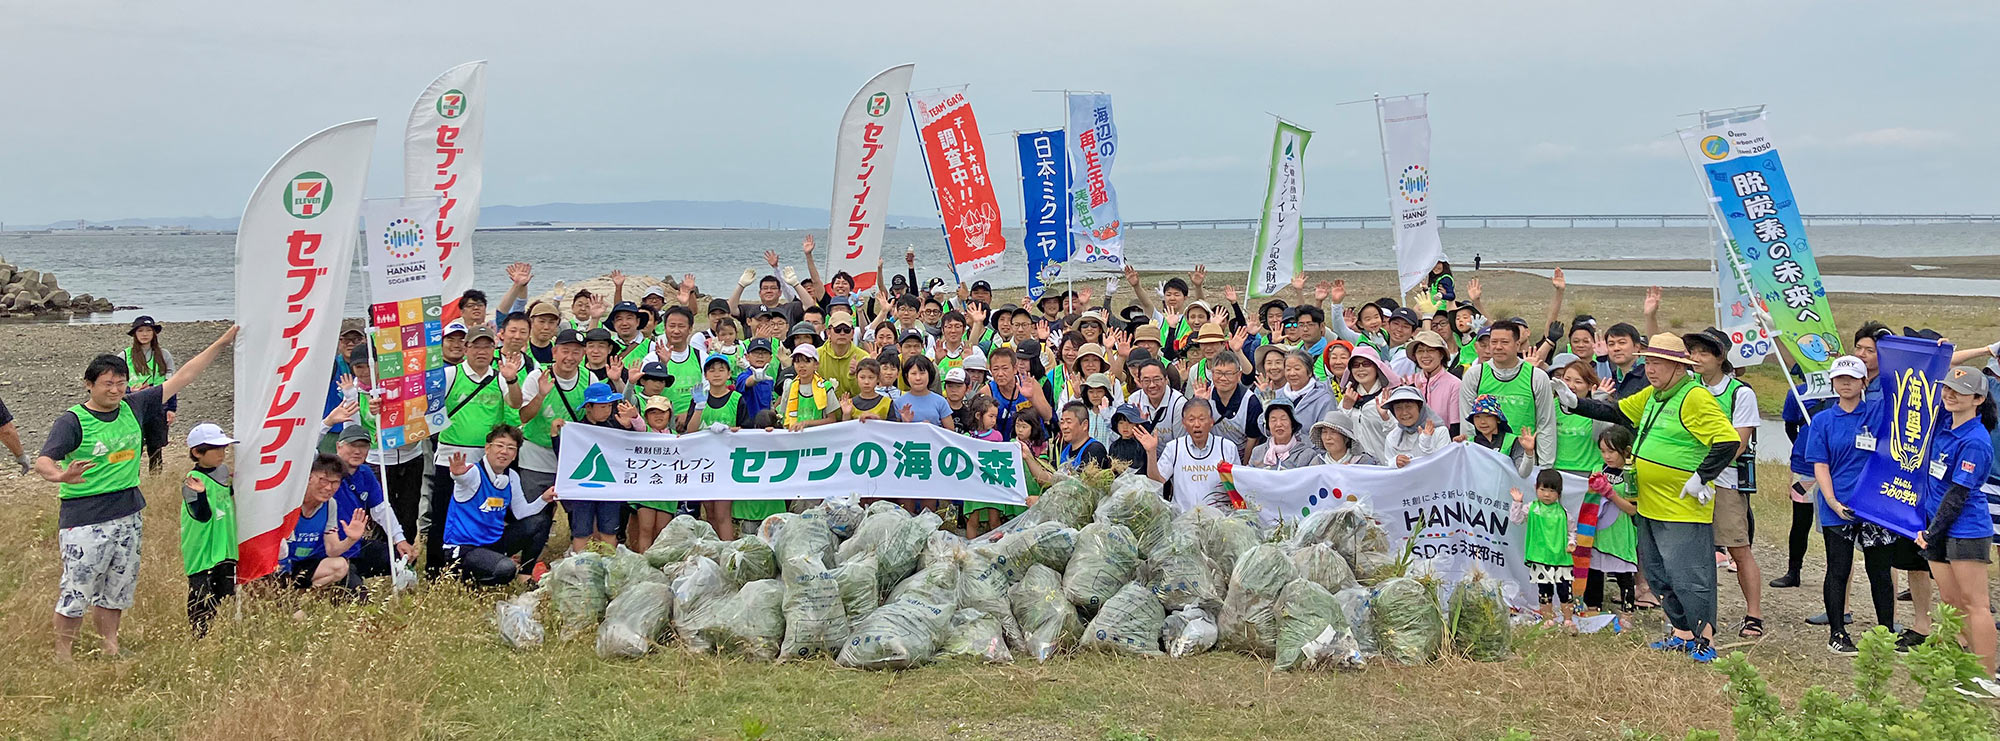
(1173, 381)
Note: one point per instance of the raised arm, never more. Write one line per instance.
(194, 366)
(516, 298)
(812, 269)
(1652, 308)
(1138, 294)
(1556, 304)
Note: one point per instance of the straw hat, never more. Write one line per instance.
(1210, 332)
(1667, 346)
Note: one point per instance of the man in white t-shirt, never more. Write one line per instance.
(1188, 464)
(1709, 349)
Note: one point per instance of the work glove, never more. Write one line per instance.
(1600, 484)
(1564, 395)
(791, 274)
(1695, 488)
(27, 463)
(749, 276)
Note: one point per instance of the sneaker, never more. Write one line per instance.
(1903, 596)
(1820, 619)
(541, 569)
(1909, 639)
(1701, 651)
(1841, 645)
(1671, 643)
(1785, 582)
(1980, 688)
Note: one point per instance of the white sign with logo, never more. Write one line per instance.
(398, 250)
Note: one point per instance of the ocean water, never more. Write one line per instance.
(186, 278)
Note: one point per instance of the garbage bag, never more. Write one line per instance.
(859, 594)
(1048, 621)
(1249, 619)
(941, 578)
(985, 574)
(1177, 572)
(1009, 556)
(940, 547)
(976, 634)
(880, 523)
(1050, 544)
(1223, 541)
(516, 619)
(401, 577)
(1357, 537)
(1135, 502)
(1070, 501)
(1130, 623)
(1353, 602)
(815, 617)
(842, 514)
(634, 620)
(576, 586)
(750, 623)
(1323, 565)
(1481, 626)
(1106, 558)
(748, 559)
(700, 589)
(896, 556)
(1409, 628)
(904, 632)
(1305, 610)
(626, 568)
(805, 534)
(1187, 632)
(880, 506)
(1322, 526)
(677, 540)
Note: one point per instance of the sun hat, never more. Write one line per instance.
(1405, 393)
(656, 369)
(1489, 404)
(1091, 348)
(1337, 420)
(601, 393)
(1210, 332)
(1098, 380)
(146, 322)
(1667, 346)
(627, 307)
(1429, 339)
(209, 433)
(975, 361)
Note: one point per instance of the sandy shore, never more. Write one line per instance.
(1971, 266)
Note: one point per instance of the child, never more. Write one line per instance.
(722, 340)
(597, 356)
(983, 417)
(871, 402)
(886, 383)
(1615, 547)
(720, 405)
(809, 400)
(208, 525)
(758, 379)
(1490, 429)
(654, 378)
(1127, 449)
(1549, 539)
(591, 520)
(652, 516)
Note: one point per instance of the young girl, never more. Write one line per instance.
(722, 342)
(1438, 284)
(1490, 429)
(1099, 398)
(1614, 554)
(652, 516)
(148, 365)
(984, 415)
(1548, 538)
(809, 400)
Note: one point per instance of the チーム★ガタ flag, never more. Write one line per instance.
(960, 175)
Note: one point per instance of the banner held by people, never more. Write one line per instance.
(1044, 210)
(443, 156)
(864, 164)
(1093, 145)
(1280, 252)
(955, 159)
(405, 318)
(867, 459)
(1737, 309)
(1892, 479)
(1752, 201)
(294, 252)
(1406, 155)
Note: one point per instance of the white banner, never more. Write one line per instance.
(1280, 251)
(1096, 233)
(397, 249)
(405, 319)
(443, 152)
(1454, 502)
(1406, 142)
(1736, 309)
(294, 252)
(864, 163)
(866, 459)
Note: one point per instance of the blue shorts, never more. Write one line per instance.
(586, 518)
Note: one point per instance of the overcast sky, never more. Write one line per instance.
(112, 110)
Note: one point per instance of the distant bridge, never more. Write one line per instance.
(1564, 220)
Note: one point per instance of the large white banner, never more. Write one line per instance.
(405, 319)
(865, 459)
(294, 251)
(397, 249)
(443, 152)
(864, 162)
(1454, 503)
(1096, 234)
(1406, 142)
(1280, 251)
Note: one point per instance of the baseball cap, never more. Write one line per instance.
(840, 320)
(360, 355)
(1848, 366)
(543, 308)
(659, 403)
(1561, 361)
(209, 433)
(655, 291)
(955, 375)
(355, 433)
(716, 359)
(455, 327)
(718, 306)
(656, 369)
(480, 333)
(806, 350)
(980, 285)
(908, 335)
(1405, 314)
(598, 334)
(1964, 379)
(569, 337)
(761, 343)
(1405, 393)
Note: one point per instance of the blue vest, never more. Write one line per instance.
(481, 520)
(308, 539)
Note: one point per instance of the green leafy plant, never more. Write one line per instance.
(754, 729)
(1937, 667)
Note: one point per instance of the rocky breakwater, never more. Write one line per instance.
(35, 293)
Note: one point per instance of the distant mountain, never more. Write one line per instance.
(740, 214)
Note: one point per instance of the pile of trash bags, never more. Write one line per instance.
(1096, 564)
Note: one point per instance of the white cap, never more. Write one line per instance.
(208, 433)
(656, 291)
(1849, 366)
(455, 327)
(806, 350)
(955, 375)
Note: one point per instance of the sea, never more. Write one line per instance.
(189, 277)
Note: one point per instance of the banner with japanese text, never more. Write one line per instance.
(864, 459)
(864, 163)
(1093, 146)
(1891, 481)
(444, 155)
(294, 252)
(1752, 200)
(405, 319)
(1406, 143)
(1736, 309)
(955, 159)
(1044, 210)
(1280, 250)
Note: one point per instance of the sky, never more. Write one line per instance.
(115, 110)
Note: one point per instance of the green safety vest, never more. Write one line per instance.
(205, 544)
(1576, 445)
(1466, 352)
(1437, 288)
(568, 403)
(726, 415)
(639, 349)
(1517, 400)
(477, 412)
(1548, 534)
(687, 377)
(1621, 538)
(1662, 437)
(135, 378)
(113, 446)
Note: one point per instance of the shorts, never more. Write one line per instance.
(1905, 556)
(299, 574)
(100, 565)
(586, 518)
(1732, 518)
(1979, 550)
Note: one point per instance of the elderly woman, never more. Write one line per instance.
(1333, 436)
(1286, 448)
(1305, 393)
(1416, 432)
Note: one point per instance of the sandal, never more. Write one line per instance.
(1647, 604)
(1751, 627)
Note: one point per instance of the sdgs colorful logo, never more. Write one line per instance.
(1415, 184)
(403, 239)
(1715, 147)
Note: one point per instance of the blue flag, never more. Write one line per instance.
(1892, 480)
(1045, 212)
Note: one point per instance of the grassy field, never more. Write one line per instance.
(429, 664)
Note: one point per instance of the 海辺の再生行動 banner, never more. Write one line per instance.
(1093, 147)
